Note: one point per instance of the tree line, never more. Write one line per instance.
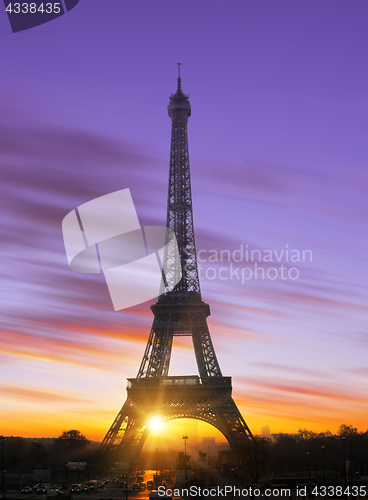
(321, 455)
(283, 455)
(23, 454)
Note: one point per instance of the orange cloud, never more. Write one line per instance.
(28, 393)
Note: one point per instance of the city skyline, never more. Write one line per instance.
(277, 144)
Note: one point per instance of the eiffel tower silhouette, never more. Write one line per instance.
(179, 311)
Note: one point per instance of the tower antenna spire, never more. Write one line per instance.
(179, 79)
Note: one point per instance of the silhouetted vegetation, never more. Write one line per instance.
(24, 454)
(257, 459)
(285, 455)
(72, 445)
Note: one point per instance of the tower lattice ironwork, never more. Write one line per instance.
(179, 311)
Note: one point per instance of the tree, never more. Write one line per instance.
(286, 454)
(325, 434)
(347, 430)
(183, 459)
(71, 441)
(306, 434)
(38, 452)
(16, 449)
(257, 458)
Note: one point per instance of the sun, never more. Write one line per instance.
(155, 424)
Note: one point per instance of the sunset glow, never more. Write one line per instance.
(155, 424)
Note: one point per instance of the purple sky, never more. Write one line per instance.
(278, 152)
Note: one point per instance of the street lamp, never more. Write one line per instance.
(185, 457)
(351, 460)
(2, 439)
(126, 485)
(343, 447)
(309, 485)
(323, 464)
(89, 475)
(66, 475)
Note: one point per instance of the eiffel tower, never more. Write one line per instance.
(179, 311)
